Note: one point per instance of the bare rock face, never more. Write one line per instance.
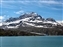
(30, 20)
(31, 24)
(50, 19)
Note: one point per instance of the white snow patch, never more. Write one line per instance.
(39, 26)
(12, 26)
(60, 22)
(26, 19)
(29, 24)
(0, 24)
(50, 22)
(35, 14)
(17, 21)
(38, 17)
(37, 21)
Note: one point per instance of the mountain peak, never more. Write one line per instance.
(33, 13)
(33, 16)
(30, 20)
(50, 19)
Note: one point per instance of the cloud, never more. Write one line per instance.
(19, 12)
(34, 1)
(50, 2)
(13, 3)
(1, 18)
(60, 21)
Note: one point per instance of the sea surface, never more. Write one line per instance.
(31, 41)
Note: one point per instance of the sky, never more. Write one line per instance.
(45, 8)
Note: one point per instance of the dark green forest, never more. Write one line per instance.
(27, 31)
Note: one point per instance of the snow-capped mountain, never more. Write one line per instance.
(29, 20)
(60, 22)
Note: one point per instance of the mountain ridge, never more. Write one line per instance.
(31, 24)
(30, 20)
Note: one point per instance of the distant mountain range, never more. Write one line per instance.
(33, 23)
(30, 20)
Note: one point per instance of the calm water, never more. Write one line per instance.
(31, 41)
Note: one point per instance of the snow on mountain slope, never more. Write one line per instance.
(12, 26)
(60, 22)
(29, 24)
(30, 19)
(17, 21)
(55, 23)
